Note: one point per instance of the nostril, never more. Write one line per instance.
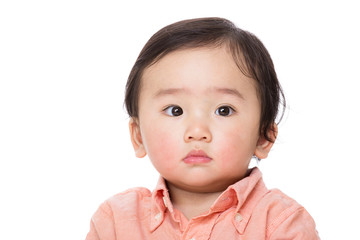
(197, 138)
(197, 133)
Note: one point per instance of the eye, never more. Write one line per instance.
(174, 111)
(224, 111)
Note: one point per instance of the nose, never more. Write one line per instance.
(197, 131)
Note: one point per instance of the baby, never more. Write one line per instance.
(203, 98)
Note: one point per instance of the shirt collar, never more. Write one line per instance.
(244, 194)
(159, 203)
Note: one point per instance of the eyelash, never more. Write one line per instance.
(169, 111)
(175, 111)
(231, 111)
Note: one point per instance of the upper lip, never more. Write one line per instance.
(197, 153)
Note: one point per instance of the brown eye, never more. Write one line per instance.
(224, 111)
(174, 111)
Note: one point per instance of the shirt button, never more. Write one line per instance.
(158, 216)
(238, 217)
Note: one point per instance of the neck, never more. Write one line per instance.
(191, 204)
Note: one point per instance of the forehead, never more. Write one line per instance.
(205, 65)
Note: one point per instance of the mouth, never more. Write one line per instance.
(197, 157)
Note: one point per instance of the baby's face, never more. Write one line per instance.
(198, 119)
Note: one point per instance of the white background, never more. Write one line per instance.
(64, 142)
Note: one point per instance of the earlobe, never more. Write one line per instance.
(263, 145)
(136, 138)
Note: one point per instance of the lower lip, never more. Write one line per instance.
(196, 160)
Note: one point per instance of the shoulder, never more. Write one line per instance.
(277, 202)
(126, 202)
(114, 214)
(285, 216)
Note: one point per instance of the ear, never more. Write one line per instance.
(263, 145)
(136, 138)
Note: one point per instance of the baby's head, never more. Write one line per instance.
(247, 51)
(203, 98)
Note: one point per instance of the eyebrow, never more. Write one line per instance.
(229, 91)
(170, 91)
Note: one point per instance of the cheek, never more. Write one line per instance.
(161, 148)
(236, 148)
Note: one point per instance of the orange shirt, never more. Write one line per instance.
(246, 210)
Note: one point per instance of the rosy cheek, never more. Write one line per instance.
(162, 149)
(233, 149)
(228, 154)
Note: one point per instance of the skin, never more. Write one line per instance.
(197, 102)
